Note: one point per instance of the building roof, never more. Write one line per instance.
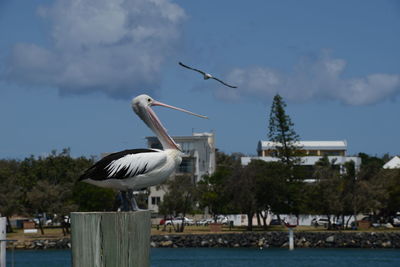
(307, 160)
(394, 163)
(308, 145)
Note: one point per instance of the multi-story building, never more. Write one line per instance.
(199, 160)
(312, 151)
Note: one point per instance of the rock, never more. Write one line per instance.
(153, 244)
(204, 243)
(330, 239)
(386, 244)
(20, 245)
(166, 243)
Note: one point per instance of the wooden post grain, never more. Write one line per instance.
(110, 238)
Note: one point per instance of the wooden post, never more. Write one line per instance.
(291, 239)
(110, 238)
(3, 243)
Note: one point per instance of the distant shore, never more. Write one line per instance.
(276, 239)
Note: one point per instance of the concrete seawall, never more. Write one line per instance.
(251, 239)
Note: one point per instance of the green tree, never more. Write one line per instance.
(281, 131)
(212, 190)
(242, 189)
(271, 187)
(325, 194)
(10, 190)
(179, 199)
(390, 196)
(89, 197)
(45, 198)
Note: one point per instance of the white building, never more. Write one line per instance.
(199, 161)
(394, 163)
(312, 151)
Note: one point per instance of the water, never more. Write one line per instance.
(210, 257)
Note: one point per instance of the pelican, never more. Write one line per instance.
(137, 169)
(206, 76)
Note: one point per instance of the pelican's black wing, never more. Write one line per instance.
(224, 83)
(124, 164)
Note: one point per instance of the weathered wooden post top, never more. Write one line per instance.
(111, 238)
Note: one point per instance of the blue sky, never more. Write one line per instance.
(69, 68)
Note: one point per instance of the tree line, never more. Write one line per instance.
(49, 184)
(37, 185)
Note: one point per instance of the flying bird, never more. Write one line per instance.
(206, 76)
(137, 169)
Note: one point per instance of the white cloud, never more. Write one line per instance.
(312, 78)
(112, 46)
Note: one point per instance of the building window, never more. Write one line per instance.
(187, 165)
(155, 200)
(333, 153)
(312, 152)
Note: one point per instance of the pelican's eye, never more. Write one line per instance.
(149, 100)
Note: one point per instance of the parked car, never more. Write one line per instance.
(205, 222)
(220, 219)
(177, 220)
(45, 222)
(275, 222)
(319, 222)
(162, 221)
(369, 219)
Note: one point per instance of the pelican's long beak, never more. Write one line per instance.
(156, 103)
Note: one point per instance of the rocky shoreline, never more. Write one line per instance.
(280, 239)
(64, 243)
(251, 239)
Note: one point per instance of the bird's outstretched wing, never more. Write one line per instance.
(224, 83)
(190, 68)
(207, 76)
(125, 164)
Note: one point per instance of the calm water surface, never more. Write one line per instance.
(231, 257)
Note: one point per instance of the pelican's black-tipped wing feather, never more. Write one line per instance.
(124, 164)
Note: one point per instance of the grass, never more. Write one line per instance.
(49, 233)
(274, 228)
